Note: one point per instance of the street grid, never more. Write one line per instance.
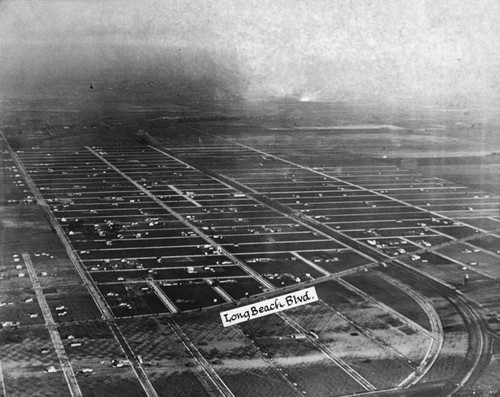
(156, 233)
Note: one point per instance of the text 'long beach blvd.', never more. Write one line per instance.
(269, 306)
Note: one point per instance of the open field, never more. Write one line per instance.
(241, 287)
(490, 243)
(367, 356)
(26, 353)
(214, 341)
(323, 379)
(251, 382)
(35, 382)
(110, 383)
(152, 340)
(177, 383)
(390, 296)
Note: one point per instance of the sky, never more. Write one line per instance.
(307, 48)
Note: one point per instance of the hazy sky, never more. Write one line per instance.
(390, 47)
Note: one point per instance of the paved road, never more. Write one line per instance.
(134, 362)
(66, 367)
(217, 381)
(436, 330)
(220, 291)
(162, 296)
(278, 370)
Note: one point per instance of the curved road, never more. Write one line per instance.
(480, 340)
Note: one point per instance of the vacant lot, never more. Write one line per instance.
(334, 262)
(127, 299)
(491, 243)
(191, 295)
(27, 346)
(214, 341)
(391, 296)
(181, 382)
(253, 382)
(77, 303)
(110, 383)
(154, 341)
(20, 306)
(323, 378)
(35, 382)
(241, 287)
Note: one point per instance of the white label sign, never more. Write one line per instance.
(269, 306)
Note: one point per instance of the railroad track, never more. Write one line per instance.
(480, 340)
